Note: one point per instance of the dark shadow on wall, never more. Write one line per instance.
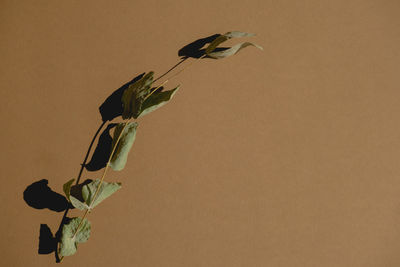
(102, 151)
(39, 195)
(112, 106)
(47, 242)
(194, 49)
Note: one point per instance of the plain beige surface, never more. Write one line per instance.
(287, 157)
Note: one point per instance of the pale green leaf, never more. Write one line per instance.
(67, 188)
(157, 100)
(106, 190)
(224, 37)
(134, 96)
(124, 145)
(74, 201)
(78, 204)
(231, 51)
(69, 241)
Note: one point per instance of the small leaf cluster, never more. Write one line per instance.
(138, 99)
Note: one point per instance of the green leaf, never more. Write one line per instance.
(106, 190)
(78, 204)
(232, 50)
(124, 145)
(88, 191)
(74, 201)
(224, 37)
(69, 242)
(134, 96)
(157, 100)
(67, 188)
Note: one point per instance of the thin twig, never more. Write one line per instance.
(168, 71)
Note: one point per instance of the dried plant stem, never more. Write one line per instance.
(188, 65)
(171, 69)
(176, 74)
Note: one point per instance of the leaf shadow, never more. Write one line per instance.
(102, 151)
(39, 195)
(47, 241)
(112, 106)
(194, 49)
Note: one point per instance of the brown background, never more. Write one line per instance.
(287, 157)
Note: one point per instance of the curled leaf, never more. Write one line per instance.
(134, 96)
(67, 188)
(69, 240)
(124, 144)
(224, 37)
(232, 50)
(106, 190)
(87, 193)
(73, 199)
(157, 100)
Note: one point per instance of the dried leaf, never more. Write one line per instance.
(67, 188)
(229, 51)
(106, 190)
(88, 191)
(112, 106)
(222, 38)
(134, 96)
(124, 145)
(78, 204)
(157, 100)
(74, 201)
(69, 242)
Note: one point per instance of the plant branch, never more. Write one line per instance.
(116, 144)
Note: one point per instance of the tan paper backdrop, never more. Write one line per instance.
(286, 157)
